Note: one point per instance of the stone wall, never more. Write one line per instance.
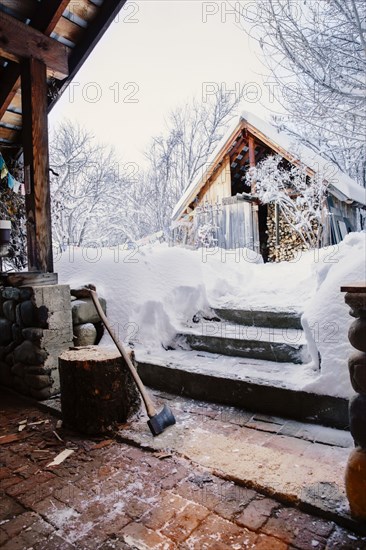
(35, 328)
(87, 327)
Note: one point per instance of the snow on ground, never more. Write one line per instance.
(328, 315)
(154, 290)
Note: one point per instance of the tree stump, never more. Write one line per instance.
(97, 389)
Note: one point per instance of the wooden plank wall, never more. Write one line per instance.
(233, 223)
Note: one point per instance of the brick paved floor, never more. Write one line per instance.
(109, 495)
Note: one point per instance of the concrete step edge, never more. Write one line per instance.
(271, 351)
(287, 318)
(251, 395)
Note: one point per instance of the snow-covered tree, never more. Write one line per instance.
(300, 198)
(176, 157)
(206, 235)
(316, 54)
(95, 199)
(87, 190)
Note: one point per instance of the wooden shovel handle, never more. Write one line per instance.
(151, 411)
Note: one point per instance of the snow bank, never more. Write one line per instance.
(326, 313)
(150, 291)
(153, 291)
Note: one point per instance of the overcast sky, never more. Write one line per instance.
(154, 56)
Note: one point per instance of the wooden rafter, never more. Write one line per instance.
(45, 20)
(19, 41)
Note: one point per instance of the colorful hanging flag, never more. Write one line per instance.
(11, 181)
(3, 168)
(17, 186)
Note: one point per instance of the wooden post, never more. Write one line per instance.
(251, 152)
(36, 165)
(355, 478)
(256, 244)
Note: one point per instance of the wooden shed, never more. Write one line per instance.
(221, 197)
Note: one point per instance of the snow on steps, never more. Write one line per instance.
(264, 317)
(246, 358)
(260, 386)
(271, 335)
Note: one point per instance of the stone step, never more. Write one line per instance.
(280, 345)
(263, 317)
(262, 387)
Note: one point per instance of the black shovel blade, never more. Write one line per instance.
(161, 421)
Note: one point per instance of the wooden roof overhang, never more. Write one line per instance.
(43, 43)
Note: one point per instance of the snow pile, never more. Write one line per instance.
(150, 291)
(153, 291)
(240, 280)
(327, 314)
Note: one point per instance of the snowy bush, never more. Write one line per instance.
(206, 235)
(300, 198)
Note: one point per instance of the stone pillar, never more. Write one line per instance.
(356, 467)
(35, 328)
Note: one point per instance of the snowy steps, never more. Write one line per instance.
(264, 317)
(269, 335)
(231, 360)
(260, 386)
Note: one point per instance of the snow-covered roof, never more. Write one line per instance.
(340, 184)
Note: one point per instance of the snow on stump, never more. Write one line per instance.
(97, 389)
(355, 478)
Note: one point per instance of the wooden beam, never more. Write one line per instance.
(36, 165)
(9, 134)
(251, 152)
(15, 119)
(69, 30)
(48, 15)
(19, 41)
(84, 9)
(251, 144)
(45, 20)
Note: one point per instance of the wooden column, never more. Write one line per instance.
(251, 152)
(355, 478)
(256, 243)
(36, 165)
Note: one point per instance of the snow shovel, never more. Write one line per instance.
(157, 422)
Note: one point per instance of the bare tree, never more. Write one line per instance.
(316, 53)
(87, 190)
(94, 200)
(176, 157)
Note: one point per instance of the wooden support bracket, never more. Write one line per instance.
(19, 41)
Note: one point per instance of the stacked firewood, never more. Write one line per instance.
(289, 241)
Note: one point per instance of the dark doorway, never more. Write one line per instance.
(263, 236)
